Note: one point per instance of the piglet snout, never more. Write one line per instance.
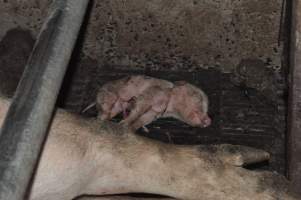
(206, 121)
(198, 119)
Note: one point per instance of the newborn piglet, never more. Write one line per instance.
(147, 107)
(108, 102)
(184, 102)
(188, 104)
(116, 96)
(143, 99)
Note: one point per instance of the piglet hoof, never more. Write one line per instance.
(88, 107)
(241, 155)
(145, 129)
(124, 123)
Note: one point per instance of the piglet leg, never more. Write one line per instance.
(145, 119)
(140, 105)
(105, 102)
(108, 99)
(159, 99)
(140, 108)
(127, 106)
(148, 106)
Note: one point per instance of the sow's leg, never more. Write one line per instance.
(87, 157)
(129, 163)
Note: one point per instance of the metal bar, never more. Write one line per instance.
(294, 118)
(25, 126)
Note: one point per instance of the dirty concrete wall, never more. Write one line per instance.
(168, 34)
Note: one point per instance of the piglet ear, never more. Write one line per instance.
(180, 83)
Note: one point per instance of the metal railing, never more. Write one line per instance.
(25, 126)
(294, 118)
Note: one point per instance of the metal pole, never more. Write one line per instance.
(294, 118)
(25, 126)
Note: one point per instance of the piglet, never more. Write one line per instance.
(117, 96)
(108, 102)
(148, 106)
(184, 102)
(188, 104)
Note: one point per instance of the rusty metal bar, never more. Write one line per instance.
(294, 118)
(25, 126)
